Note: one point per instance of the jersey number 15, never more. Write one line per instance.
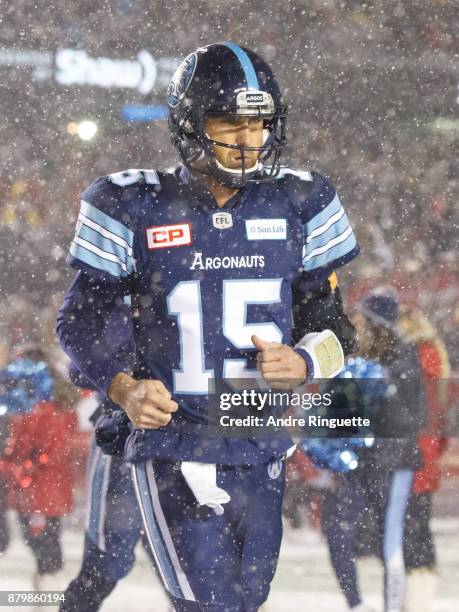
(184, 302)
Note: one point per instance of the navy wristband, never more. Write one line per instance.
(309, 363)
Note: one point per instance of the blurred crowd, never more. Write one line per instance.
(372, 90)
(368, 86)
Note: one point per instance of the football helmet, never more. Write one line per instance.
(221, 80)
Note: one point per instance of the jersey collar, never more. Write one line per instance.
(201, 195)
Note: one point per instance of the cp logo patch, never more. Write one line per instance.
(167, 236)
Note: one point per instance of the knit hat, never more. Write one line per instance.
(380, 306)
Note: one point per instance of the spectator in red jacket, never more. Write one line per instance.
(419, 547)
(37, 459)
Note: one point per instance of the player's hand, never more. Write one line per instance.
(280, 366)
(147, 403)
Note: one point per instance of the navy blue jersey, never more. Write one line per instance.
(204, 279)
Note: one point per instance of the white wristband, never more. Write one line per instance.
(326, 353)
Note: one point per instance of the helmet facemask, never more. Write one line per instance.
(273, 141)
(195, 144)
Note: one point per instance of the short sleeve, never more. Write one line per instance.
(104, 241)
(329, 241)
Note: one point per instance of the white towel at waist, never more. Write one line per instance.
(202, 480)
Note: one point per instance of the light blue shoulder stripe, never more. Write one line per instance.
(105, 244)
(93, 260)
(304, 175)
(107, 222)
(247, 66)
(332, 232)
(335, 252)
(322, 217)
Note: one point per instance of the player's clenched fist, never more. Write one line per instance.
(279, 364)
(147, 403)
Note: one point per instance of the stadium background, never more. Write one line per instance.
(372, 88)
(373, 95)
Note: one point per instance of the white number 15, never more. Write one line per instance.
(184, 302)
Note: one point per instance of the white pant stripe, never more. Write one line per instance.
(181, 577)
(92, 461)
(153, 549)
(97, 485)
(103, 502)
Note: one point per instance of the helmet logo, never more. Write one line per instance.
(181, 80)
(254, 98)
(222, 220)
(247, 100)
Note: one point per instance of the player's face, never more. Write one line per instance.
(243, 131)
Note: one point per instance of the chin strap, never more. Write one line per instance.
(255, 168)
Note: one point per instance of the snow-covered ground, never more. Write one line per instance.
(304, 581)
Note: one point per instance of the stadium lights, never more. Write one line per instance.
(86, 130)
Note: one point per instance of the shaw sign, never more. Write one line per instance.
(75, 67)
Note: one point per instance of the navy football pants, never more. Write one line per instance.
(113, 521)
(207, 562)
(113, 528)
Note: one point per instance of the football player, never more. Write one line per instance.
(211, 255)
(113, 524)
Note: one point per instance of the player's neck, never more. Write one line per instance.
(221, 193)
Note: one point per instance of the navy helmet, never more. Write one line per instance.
(225, 79)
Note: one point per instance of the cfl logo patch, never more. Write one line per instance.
(167, 236)
(222, 220)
